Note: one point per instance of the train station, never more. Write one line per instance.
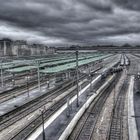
(70, 95)
(69, 69)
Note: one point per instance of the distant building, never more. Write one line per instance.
(50, 50)
(22, 48)
(5, 47)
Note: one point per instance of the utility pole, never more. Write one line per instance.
(38, 73)
(90, 77)
(68, 107)
(13, 80)
(43, 128)
(42, 113)
(27, 81)
(1, 75)
(77, 78)
(114, 98)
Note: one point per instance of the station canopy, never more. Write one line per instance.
(21, 69)
(68, 60)
(56, 69)
(59, 65)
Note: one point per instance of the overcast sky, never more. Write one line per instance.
(66, 22)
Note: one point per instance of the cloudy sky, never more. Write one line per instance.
(66, 22)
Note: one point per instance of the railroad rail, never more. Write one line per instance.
(89, 120)
(32, 126)
(23, 111)
(115, 131)
(28, 108)
(19, 90)
(27, 130)
(40, 100)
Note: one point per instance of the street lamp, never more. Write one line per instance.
(27, 84)
(42, 116)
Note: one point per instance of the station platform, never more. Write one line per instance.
(24, 98)
(60, 120)
(136, 103)
(60, 123)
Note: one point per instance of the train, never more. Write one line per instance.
(110, 71)
(124, 61)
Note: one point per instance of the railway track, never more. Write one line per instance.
(34, 104)
(19, 90)
(27, 130)
(115, 131)
(32, 126)
(88, 122)
(20, 113)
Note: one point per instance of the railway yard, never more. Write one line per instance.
(70, 96)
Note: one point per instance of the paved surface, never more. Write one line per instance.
(102, 125)
(137, 104)
(134, 99)
(134, 64)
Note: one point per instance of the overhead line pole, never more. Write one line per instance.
(42, 117)
(77, 78)
(38, 72)
(90, 77)
(1, 75)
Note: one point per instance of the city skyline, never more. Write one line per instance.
(63, 23)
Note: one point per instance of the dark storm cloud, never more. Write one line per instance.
(103, 6)
(129, 4)
(69, 21)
